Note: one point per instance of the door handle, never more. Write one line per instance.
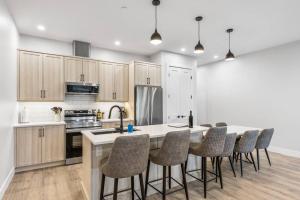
(182, 116)
(178, 116)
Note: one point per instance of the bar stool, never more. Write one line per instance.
(228, 149)
(174, 151)
(212, 145)
(128, 158)
(245, 145)
(221, 124)
(263, 142)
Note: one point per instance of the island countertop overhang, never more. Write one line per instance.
(154, 131)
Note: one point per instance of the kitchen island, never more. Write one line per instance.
(97, 147)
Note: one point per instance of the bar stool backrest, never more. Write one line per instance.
(264, 138)
(213, 142)
(174, 149)
(248, 141)
(207, 125)
(129, 156)
(229, 144)
(220, 124)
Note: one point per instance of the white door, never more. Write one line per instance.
(179, 91)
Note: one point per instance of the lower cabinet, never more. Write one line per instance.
(39, 145)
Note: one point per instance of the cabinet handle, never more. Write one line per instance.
(149, 81)
(41, 94)
(82, 77)
(40, 132)
(115, 95)
(44, 94)
(43, 132)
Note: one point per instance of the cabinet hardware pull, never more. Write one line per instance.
(41, 94)
(44, 94)
(82, 77)
(149, 81)
(40, 132)
(43, 132)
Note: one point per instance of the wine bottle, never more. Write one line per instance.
(191, 120)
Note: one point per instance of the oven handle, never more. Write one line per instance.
(77, 130)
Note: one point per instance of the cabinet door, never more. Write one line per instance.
(106, 81)
(73, 69)
(90, 71)
(141, 74)
(121, 82)
(28, 146)
(30, 76)
(53, 78)
(53, 144)
(154, 74)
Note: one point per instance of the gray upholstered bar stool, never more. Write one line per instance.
(220, 124)
(128, 158)
(263, 142)
(174, 151)
(228, 149)
(245, 145)
(212, 145)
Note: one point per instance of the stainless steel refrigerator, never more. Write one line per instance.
(148, 105)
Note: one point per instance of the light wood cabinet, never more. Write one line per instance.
(53, 78)
(39, 145)
(28, 149)
(73, 69)
(40, 77)
(30, 74)
(113, 80)
(53, 144)
(147, 74)
(80, 70)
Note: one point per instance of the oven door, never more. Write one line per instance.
(73, 146)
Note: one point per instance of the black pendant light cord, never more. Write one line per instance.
(155, 18)
(199, 31)
(229, 41)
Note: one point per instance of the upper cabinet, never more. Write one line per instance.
(40, 77)
(113, 80)
(80, 70)
(147, 74)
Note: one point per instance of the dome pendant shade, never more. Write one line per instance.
(156, 38)
(199, 48)
(229, 56)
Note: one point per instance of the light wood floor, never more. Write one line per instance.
(281, 181)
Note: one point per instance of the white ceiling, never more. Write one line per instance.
(258, 24)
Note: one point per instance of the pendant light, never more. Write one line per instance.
(229, 56)
(155, 37)
(199, 47)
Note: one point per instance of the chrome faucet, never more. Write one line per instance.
(121, 116)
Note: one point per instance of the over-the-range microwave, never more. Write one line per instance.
(73, 88)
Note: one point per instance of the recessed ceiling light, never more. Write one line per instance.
(41, 28)
(216, 56)
(117, 43)
(182, 49)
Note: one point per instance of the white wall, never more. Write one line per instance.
(63, 48)
(259, 90)
(167, 59)
(8, 85)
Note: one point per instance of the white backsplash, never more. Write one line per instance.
(41, 111)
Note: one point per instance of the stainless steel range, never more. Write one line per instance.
(76, 121)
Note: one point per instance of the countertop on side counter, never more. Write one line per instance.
(30, 124)
(154, 131)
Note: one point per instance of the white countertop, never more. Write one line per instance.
(30, 124)
(154, 131)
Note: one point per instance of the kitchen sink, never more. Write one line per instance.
(111, 130)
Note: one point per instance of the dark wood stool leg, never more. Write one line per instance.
(231, 164)
(115, 195)
(257, 157)
(241, 163)
(164, 182)
(251, 155)
(219, 171)
(102, 187)
(268, 157)
(170, 174)
(184, 182)
(132, 187)
(147, 178)
(142, 186)
(204, 175)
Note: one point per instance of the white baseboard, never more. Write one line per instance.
(284, 151)
(6, 182)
